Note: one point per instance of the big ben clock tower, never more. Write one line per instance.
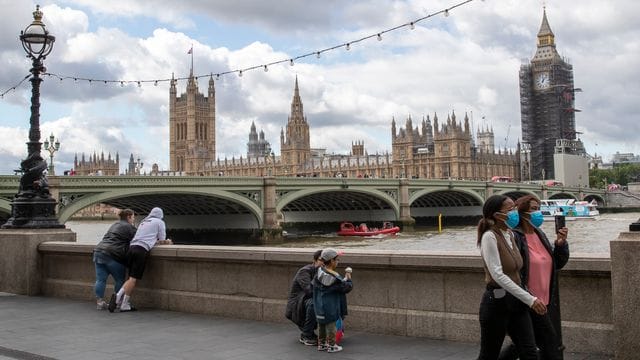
(546, 105)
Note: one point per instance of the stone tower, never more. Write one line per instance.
(295, 147)
(257, 146)
(486, 140)
(546, 104)
(192, 127)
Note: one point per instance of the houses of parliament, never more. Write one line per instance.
(433, 149)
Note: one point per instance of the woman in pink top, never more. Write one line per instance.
(541, 260)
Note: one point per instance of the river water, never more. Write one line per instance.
(590, 237)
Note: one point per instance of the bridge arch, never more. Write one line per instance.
(329, 204)
(431, 202)
(181, 206)
(562, 195)
(600, 200)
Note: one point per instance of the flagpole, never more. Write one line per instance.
(192, 59)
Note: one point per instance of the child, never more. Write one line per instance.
(329, 299)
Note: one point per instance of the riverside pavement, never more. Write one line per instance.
(42, 328)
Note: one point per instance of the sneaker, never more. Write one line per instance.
(334, 348)
(323, 347)
(308, 341)
(127, 308)
(112, 303)
(102, 305)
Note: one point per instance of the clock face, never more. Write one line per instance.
(542, 81)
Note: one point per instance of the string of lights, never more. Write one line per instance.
(265, 66)
(14, 86)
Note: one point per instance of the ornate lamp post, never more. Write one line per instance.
(33, 206)
(138, 167)
(52, 148)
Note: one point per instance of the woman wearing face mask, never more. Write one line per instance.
(541, 260)
(505, 303)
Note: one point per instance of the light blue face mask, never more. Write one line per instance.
(536, 218)
(513, 218)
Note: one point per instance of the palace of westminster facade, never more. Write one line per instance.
(433, 150)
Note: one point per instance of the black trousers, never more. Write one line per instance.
(497, 320)
(547, 340)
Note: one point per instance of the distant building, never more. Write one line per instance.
(97, 165)
(625, 158)
(134, 167)
(546, 105)
(571, 163)
(257, 145)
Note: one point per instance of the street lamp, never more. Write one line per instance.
(138, 167)
(33, 207)
(52, 147)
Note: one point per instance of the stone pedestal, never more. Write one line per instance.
(20, 269)
(625, 287)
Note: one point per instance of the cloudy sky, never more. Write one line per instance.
(465, 62)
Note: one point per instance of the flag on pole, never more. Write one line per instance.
(190, 51)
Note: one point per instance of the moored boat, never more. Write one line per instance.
(570, 208)
(348, 229)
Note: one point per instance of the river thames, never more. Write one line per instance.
(590, 237)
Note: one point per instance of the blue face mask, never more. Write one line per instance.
(513, 218)
(536, 218)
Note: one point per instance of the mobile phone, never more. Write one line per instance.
(560, 222)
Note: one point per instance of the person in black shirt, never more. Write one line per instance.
(110, 255)
(300, 304)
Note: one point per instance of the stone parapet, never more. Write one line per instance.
(625, 278)
(20, 262)
(411, 293)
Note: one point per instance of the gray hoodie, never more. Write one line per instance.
(150, 230)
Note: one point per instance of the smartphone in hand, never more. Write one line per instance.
(560, 222)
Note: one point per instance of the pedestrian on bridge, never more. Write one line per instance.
(151, 231)
(110, 255)
(300, 303)
(505, 303)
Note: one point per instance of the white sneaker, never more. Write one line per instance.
(323, 347)
(334, 348)
(102, 305)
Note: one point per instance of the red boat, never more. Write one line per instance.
(348, 229)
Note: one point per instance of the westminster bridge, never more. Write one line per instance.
(267, 203)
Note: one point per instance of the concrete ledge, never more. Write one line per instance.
(409, 293)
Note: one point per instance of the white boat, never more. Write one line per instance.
(570, 208)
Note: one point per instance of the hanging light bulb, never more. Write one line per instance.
(121, 83)
(318, 54)
(139, 84)
(240, 73)
(412, 25)
(446, 12)
(266, 68)
(155, 83)
(105, 82)
(89, 81)
(217, 76)
(348, 47)
(379, 37)
(75, 79)
(291, 62)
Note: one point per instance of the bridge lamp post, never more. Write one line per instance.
(52, 147)
(138, 167)
(33, 207)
